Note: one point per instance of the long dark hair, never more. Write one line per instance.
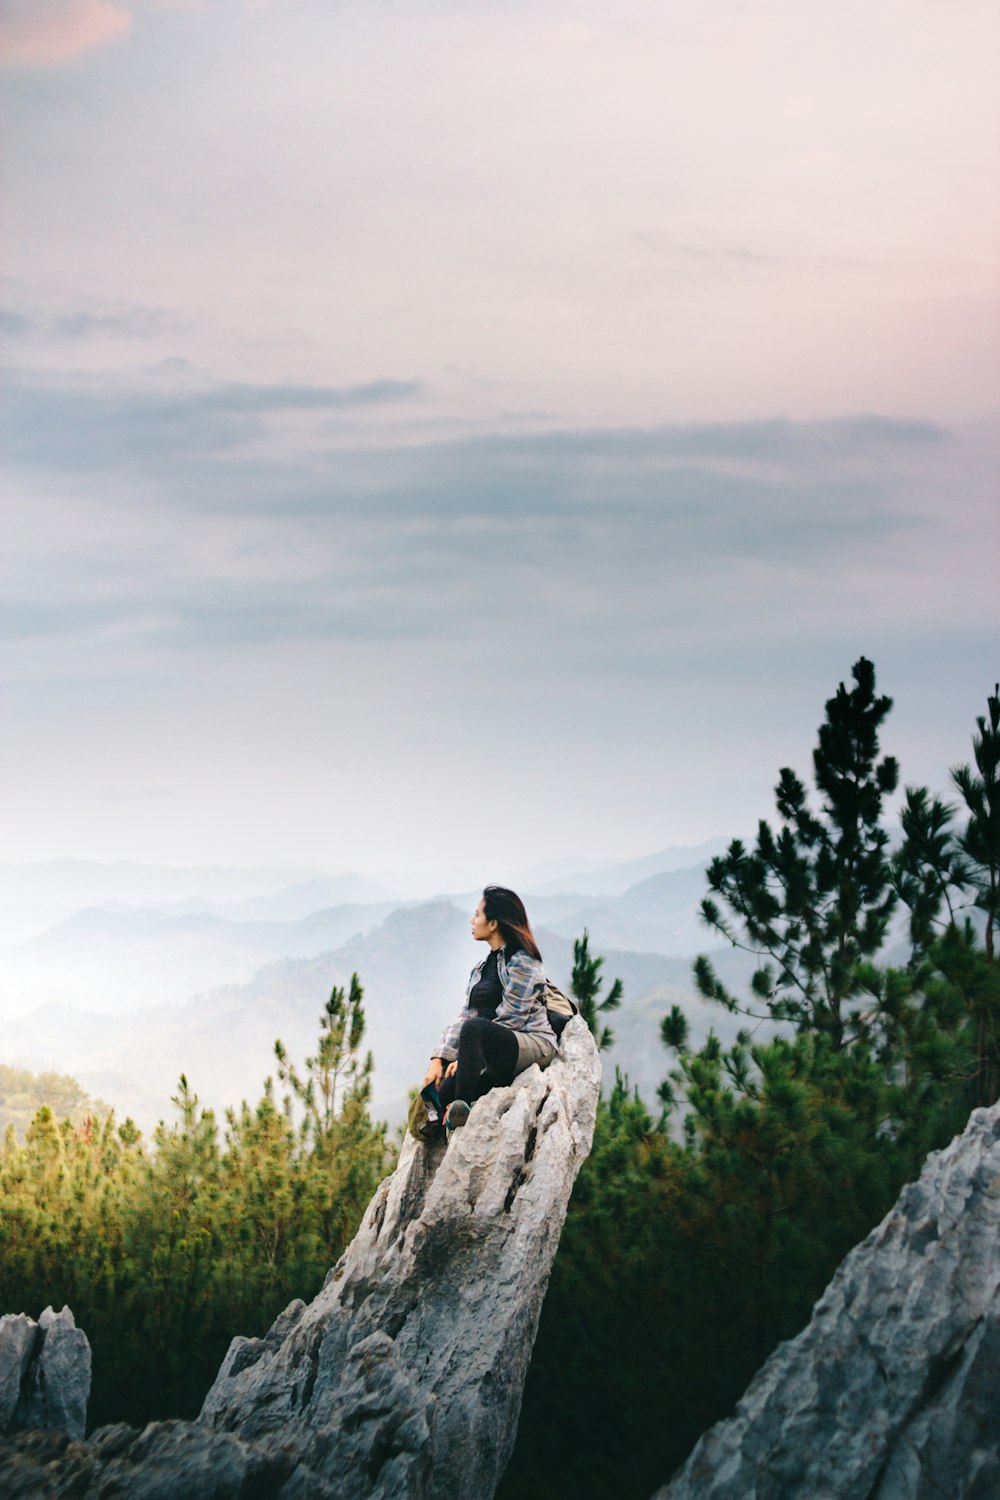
(507, 910)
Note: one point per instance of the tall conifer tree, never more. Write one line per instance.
(942, 868)
(813, 899)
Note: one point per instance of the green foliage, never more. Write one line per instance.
(812, 900)
(334, 1096)
(674, 1028)
(980, 841)
(951, 1045)
(684, 1261)
(927, 868)
(585, 985)
(164, 1253)
(941, 868)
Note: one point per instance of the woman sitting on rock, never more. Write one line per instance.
(504, 1027)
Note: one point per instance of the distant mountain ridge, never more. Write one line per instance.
(205, 987)
(615, 879)
(658, 914)
(122, 956)
(414, 967)
(36, 896)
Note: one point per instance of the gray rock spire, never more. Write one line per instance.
(44, 1373)
(406, 1371)
(892, 1392)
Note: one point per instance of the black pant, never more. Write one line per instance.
(487, 1059)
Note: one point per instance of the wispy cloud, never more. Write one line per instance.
(15, 324)
(130, 323)
(41, 33)
(200, 535)
(97, 427)
(23, 318)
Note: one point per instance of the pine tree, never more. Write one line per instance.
(268, 1174)
(980, 842)
(349, 1154)
(940, 870)
(585, 986)
(337, 1063)
(813, 900)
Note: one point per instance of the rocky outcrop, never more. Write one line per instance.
(404, 1376)
(893, 1390)
(44, 1373)
(402, 1380)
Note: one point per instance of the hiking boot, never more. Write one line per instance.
(455, 1115)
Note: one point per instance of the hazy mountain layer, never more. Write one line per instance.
(120, 958)
(34, 897)
(615, 879)
(414, 967)
(126, 997)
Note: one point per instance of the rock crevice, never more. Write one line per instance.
(44, 1374)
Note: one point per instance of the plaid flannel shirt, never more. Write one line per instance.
(522, 1007)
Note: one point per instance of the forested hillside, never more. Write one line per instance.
(682, 1265)
(704, 1224)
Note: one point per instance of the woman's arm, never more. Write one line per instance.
(447, 1048)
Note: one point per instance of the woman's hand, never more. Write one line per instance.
(434, 1073)
(451, 1069)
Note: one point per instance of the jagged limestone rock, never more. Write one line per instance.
(44, 1373)
(17, 1344)
(402, 1380)
(59, 1381)
(407, 1370)
(892, 1392)
(166, 1461)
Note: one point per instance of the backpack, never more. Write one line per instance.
(426, 1115)
(561, 1008)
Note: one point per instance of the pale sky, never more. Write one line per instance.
(439, 434)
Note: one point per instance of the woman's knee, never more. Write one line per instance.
(474, 1030)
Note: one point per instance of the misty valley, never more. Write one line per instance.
(126, 996)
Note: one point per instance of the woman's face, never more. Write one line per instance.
(482, 930)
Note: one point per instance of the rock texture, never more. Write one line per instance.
(404, 1376)
(893, 1390)
(44, 1373)
(402, 1380)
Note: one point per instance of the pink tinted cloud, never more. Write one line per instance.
(39, 33)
